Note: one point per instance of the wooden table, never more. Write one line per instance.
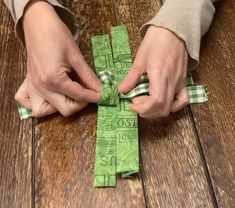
(187, 160)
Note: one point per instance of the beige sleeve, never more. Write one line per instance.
(188, 19)
(16, 8)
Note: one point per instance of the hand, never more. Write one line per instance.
(163, 56)
(30, 98)
(52, 54)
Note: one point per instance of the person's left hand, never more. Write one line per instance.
(163, 56)
(28, 96)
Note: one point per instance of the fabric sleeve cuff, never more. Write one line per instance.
(65, 14)
(189, 20)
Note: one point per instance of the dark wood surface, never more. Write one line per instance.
(215, 122)
(15, 136)
(187, 160)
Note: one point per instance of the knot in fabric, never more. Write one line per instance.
(109, 93)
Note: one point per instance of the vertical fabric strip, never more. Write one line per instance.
(126, 121)
(105, 154)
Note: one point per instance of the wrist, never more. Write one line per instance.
(34, 11)
(155, 30)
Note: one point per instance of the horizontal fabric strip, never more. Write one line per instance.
(197, 93)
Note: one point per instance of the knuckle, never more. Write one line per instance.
(80, 95)
(91, 78)
(160, 101)
(142, 115)
(186, 100)
(66, 112)
(127, 83)
(17, 97)
(142, 111)
(36, 112)
(165, 113)
(47, 78)
(173, 110)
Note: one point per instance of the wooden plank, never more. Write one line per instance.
(133, 14)
(173, 170)
(15, 136)
(65, 152)
(215, 121)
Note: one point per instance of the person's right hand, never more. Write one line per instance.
(52, 53)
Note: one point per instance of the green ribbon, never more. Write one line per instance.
(117, 149)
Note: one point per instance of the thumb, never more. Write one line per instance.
(85, 73)
(131, 79)
(22, 96)
(180, 101)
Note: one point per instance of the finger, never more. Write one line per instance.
(164, 109)
(85, 73)
(75, 91)
(156, 102)
(63, 104)
(22, 96)
(40, 107)
(157, 84)
(143, 105)
(148, 109)
(131, 79)
(181, 100)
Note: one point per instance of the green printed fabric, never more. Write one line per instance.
(117, 148)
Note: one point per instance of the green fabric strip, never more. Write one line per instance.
(126, 121)
(105, 158)
(117, 126)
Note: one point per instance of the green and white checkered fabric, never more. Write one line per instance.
(197, 93)
(24, 112)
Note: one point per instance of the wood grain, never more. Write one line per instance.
(215, 121)
(65, 150)
(134, 14)
(172, 167)
(173, 170)
(15, 136)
